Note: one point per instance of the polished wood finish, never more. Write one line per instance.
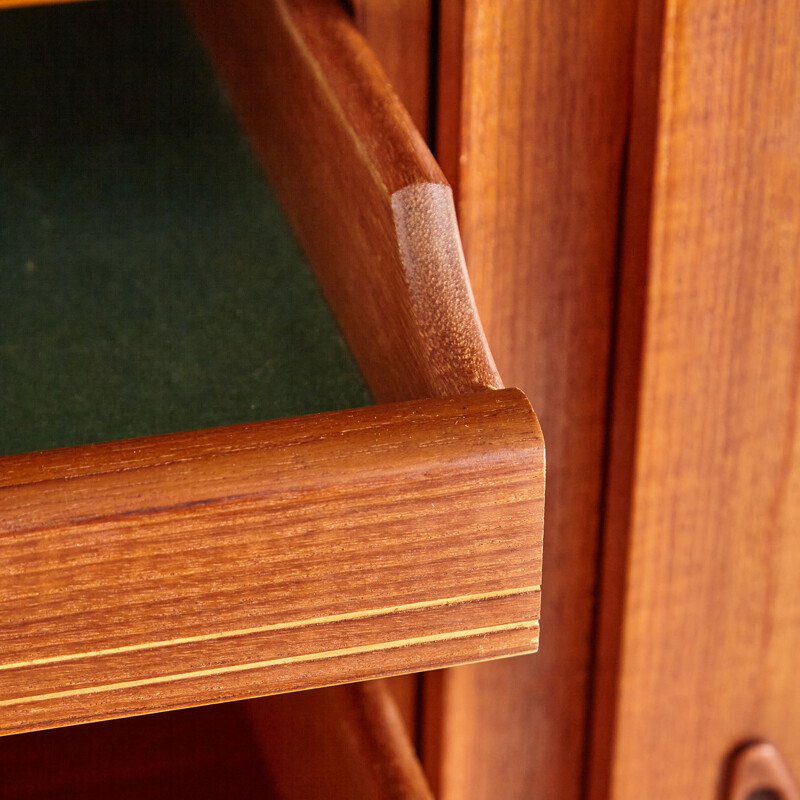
(757, 772)
(176, 570)
(377, 220)
(399, 33)
(700, 622)
(533, 117)
(342, 743)
(364, 195)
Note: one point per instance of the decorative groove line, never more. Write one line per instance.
(277, 626)
(324, 655)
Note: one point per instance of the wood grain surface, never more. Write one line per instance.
(176, 570)
(194, 595)
(399, 33)
(700, 625)
(365, 197)
(341, 743)
(533, 117)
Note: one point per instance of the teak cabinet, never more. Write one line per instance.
(164, 571)
(197, 567)
(624, 175)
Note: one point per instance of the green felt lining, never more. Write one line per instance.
(149, 281)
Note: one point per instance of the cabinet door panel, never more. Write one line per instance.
(700, 597)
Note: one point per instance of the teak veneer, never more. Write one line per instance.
(199, 567)
(154, 573)
(365, 197)
(399, 33)
(532, 117)
(369, 203)
(699, 599)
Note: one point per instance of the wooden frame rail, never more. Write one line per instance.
(175, 570)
